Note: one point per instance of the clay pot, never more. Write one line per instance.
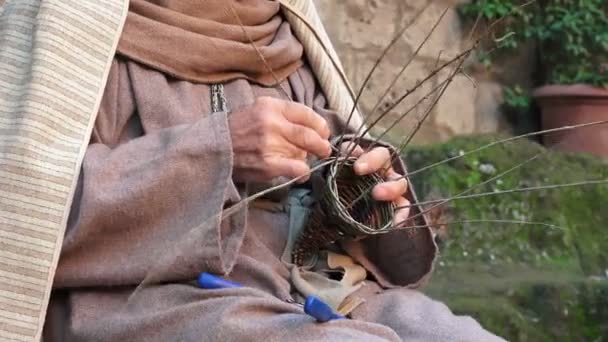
(572, 105)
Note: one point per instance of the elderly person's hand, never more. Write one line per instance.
(273, 137)
(379, 159)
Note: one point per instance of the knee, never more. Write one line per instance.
(414, 316)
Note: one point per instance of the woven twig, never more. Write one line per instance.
(334, 217)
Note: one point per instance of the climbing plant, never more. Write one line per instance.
(571, 35)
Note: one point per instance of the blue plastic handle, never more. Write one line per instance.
(318, 309)
(313, 306)
(211, 282)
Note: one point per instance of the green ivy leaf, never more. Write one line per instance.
(573, 34)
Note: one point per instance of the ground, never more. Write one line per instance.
(523, 282)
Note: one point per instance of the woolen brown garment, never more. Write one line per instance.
(156, 173)
(209, 41)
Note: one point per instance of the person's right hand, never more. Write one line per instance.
(273, 137)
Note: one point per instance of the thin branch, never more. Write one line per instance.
(327, 50)
(235, 207)
(409, 61)
(159, 267)
(404, 96)
(502, 141)
(375, 66)
(522, 222)
(257, 50)
(395, 154)
(474, 45)
(491, 179)
(419, 123)
(441, 88)
(474, 28)
(510, 191)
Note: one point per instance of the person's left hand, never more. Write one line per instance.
(379, 159)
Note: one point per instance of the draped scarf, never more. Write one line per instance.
(211, 41)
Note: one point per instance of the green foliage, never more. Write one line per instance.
(517, 107)
(572, 34)
(548, 306)
(517, 99)
(523, 282)
(575, 241)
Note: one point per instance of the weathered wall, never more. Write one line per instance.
(360, 29)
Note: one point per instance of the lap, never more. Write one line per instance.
(181, 312)
(178, 312)
(416, 317)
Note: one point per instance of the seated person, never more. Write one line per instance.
(205, 102)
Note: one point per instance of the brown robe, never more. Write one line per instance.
(156, 174)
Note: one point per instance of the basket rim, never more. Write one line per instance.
(333, 193)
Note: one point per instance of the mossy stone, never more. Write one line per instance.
(526, 282)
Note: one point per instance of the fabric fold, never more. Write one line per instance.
(210, 42)
(169, 185)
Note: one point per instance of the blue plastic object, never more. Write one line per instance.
(211, 282)
(318, 309)
(313, 306)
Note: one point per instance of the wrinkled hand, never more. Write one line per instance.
(273, 137)
(379, 159)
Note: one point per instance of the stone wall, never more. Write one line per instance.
(360, 29)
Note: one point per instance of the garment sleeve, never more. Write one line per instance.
(403, 257)
(140, 204)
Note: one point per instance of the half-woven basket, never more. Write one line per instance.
(345, 209)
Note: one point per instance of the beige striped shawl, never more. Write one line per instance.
(54, 60)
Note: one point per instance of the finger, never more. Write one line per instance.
(298, 154)
(390, 191)
(291, 168)
(372, 161)
(306, 139)
(302, 115)
(347, 146)
(401, 215)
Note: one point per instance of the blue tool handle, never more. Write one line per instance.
(313, 306)
(211, 282)
(318, 309)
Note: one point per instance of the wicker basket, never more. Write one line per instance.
(335, 217)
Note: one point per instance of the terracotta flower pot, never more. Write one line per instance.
(572, 105)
